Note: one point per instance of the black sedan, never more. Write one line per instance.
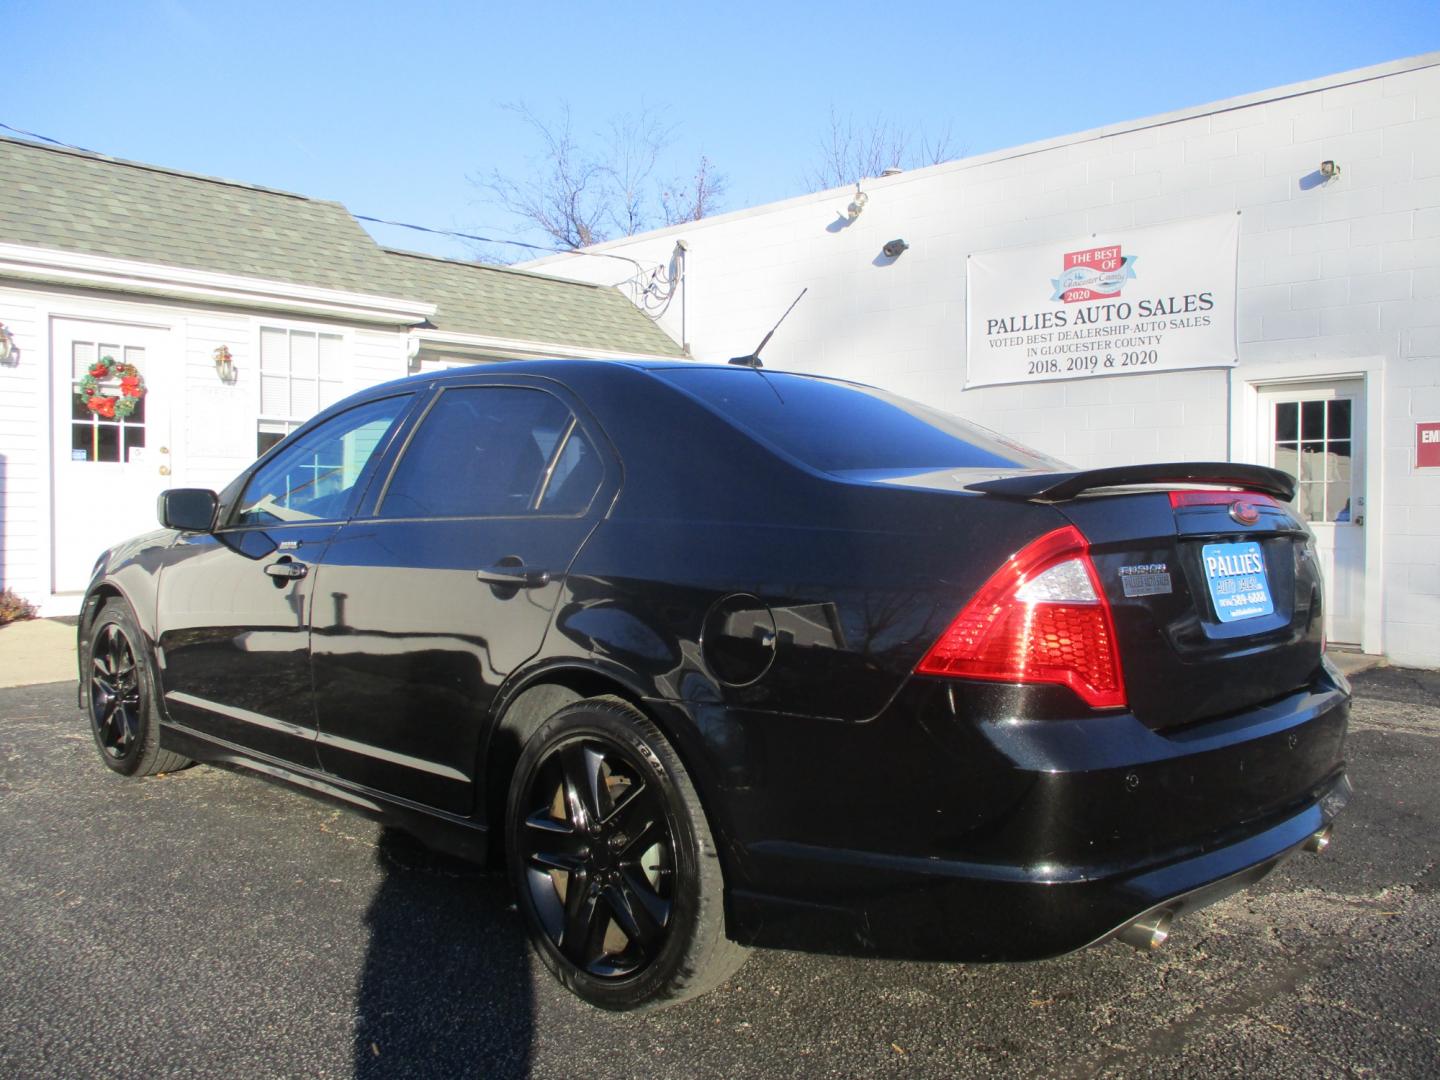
(718, 657)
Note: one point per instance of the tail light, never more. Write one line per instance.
(1041, 618)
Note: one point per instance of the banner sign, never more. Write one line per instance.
(1154, 299)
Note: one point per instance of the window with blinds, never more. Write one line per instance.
(301, 372)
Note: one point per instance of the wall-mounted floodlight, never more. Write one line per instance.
(894, 249)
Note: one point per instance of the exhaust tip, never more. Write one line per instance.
(1318, 841)
(1148, 932)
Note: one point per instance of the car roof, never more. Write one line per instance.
(561, 367)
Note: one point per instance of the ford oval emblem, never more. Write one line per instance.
(1245, 513)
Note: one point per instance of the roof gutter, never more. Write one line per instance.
(48, 266)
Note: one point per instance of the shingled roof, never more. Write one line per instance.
(71, 200)
(497, 301)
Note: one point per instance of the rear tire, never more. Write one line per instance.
(614, 866)
(119, 690)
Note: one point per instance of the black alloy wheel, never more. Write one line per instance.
(119, 690)
(613, 862)
(115, 699)
(600, 857)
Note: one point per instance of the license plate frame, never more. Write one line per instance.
(1238, 580)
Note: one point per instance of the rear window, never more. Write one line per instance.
(841, 427)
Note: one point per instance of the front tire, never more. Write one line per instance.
(614, 866)
(120, 696)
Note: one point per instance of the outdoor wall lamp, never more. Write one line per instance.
(9, 354)
(1329, 170)
(225, 365)
(894, 249)
(857, 204)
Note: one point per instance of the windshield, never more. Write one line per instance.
(840, 427)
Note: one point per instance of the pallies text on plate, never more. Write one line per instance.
(1248, 563)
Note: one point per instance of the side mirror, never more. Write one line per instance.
(187, 509)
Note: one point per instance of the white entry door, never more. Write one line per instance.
(1315, 431)
(107, 470)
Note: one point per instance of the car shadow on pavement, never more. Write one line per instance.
(445, 988)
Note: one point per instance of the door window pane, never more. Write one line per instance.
(316, 477)
(93, 435)
(1337, 420)
(1287, 421)
(1313, 443)
(482, 451)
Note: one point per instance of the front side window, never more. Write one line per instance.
(301, 373)
(492, 451)
(315, 478)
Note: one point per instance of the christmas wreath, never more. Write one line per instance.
(132, 388)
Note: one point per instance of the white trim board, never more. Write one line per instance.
(23, 262)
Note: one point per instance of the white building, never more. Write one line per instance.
(243, 310)
(1335, 304)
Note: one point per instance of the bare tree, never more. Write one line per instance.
(700, 198)
(582, 192)
(635, 145)
(851, 150)
(567, 197)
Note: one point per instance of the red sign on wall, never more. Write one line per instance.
(1427, 445)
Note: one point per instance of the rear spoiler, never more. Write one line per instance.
(1057, 487)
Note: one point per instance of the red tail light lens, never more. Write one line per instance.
(1041, 618)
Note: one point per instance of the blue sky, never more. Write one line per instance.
(391, 107)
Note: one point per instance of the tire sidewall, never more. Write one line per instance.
(588, 720)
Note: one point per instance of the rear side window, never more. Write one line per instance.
(483, 451)
(841, 427)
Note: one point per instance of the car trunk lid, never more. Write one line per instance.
(1212, 581)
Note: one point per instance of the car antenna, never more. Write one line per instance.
(753, 360)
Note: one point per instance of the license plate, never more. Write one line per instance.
(1238, 583)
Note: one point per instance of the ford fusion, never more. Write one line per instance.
(717, 657)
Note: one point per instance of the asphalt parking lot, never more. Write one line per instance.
(207, 923)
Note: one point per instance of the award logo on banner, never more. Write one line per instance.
(1154, 299)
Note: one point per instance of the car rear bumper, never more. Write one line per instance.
(928, 909)
(1096, 828)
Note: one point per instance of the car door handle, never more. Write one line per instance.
(515, 577)
(287, 569)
